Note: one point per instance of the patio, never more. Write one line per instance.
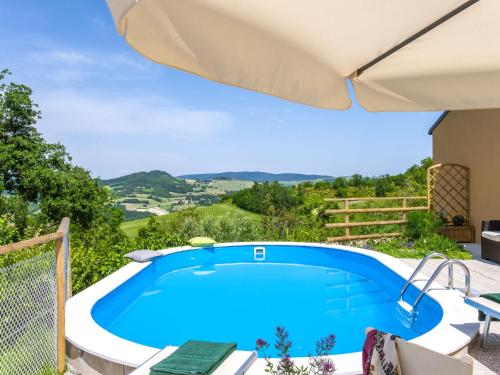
(485, 278)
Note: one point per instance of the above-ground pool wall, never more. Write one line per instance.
(89, 364)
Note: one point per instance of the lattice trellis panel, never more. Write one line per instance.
(448, 189)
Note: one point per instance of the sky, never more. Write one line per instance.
(118, 113)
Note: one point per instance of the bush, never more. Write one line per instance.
(293, 225)
(400, 248)
(228, 228)
(97, 252)
(154, 237)
(8, 232)
(89, 265)
(422, 224)
(260, 198)
(159, 234)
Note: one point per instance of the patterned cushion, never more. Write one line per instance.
(142, 256)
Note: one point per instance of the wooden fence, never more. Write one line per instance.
(403, 208)
(63, 278)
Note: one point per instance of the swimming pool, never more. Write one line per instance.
(233, 292)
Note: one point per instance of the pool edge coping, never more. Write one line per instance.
(83, 332)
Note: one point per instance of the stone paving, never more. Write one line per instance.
(485, 278)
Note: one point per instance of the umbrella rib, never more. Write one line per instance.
(425, 30)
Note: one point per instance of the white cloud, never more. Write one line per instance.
(69, 57)
(68, 66)
(69, 112)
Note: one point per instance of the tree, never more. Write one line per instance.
(38, 172)
(22, 148)
(260, 198)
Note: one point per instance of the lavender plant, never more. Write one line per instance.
(319, 364)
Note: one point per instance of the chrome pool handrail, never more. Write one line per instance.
(449, 263)
(419, 267)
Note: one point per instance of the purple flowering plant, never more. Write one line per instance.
(319, 364)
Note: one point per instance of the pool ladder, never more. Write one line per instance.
(449, 263)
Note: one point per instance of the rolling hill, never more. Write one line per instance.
(257, 176)
(158, 183)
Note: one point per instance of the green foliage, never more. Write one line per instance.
(261, 197)
(27, 351)
(154, 236)
(131, 228)
(134, 200)
(400, 248)
(410, 183)
(8, 231)
(22, 149)
(72, 193)
(15, 211)
(40, 172)
(293, 225)
(422, 223)
(97, 252)
(190, 223)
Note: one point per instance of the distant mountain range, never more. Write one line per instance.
(156, 183)
(256, 176)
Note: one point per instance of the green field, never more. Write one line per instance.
(220, 209)
(230, 185)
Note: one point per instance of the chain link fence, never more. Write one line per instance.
(28, 313)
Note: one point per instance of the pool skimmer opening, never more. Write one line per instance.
(259, 253)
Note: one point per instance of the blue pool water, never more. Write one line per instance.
(223, 294)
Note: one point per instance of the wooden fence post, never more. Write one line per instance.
(404, 212)
(429, 192)
(61, 336)
(346, 218)
(404, 208)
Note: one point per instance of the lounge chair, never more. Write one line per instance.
(237, 363)
(491, 308)
(490, 240)
(417, 360)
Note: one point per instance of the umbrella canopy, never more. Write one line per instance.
(305, 51)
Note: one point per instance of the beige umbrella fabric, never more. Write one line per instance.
(455, 66)
(299, 50)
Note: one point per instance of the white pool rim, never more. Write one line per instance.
(456, 329)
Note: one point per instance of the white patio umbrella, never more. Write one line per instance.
(400, 54)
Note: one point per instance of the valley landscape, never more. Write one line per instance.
(144, 194)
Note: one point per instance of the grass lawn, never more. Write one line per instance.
(220, 209)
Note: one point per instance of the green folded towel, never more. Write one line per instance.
(194, 358)
(492, 297)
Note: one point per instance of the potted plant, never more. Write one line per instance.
(458, 220)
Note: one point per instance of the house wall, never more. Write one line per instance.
(472, 138)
